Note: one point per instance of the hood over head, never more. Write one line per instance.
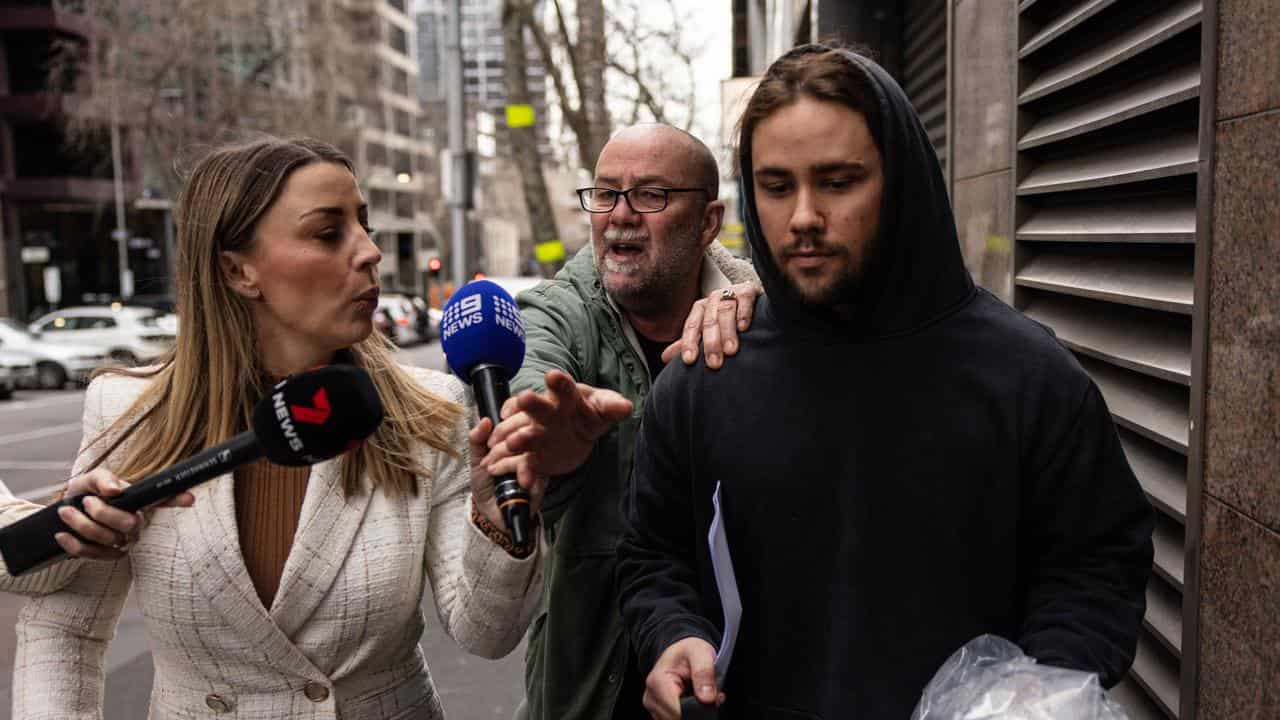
(915, 274)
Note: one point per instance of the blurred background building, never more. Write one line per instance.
(1113, 170)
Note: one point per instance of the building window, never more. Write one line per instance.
(375, 155)
(403, 162)
(398, 38)
(400, 81)
(404, 123)
(404, 205)
(379, 201)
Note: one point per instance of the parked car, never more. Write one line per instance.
(404, 318)
(55, 363)
(124, 333)
(19, 371)
(421, 314)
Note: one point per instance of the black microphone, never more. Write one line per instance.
(482, 334)
(303, 420)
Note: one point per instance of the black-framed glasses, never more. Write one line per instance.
(641, 199)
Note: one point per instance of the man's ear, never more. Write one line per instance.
(239, 274)
(712, 218)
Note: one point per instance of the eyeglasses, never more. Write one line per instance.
(642, 199)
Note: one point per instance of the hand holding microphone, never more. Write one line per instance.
(482, 334)
(303, 420)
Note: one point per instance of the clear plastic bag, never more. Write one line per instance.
(990, 678)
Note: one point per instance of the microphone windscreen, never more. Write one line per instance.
(316, 415)
(481, 325)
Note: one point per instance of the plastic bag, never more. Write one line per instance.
(990, 678)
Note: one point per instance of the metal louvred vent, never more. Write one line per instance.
(924, 68)
(1108, 149)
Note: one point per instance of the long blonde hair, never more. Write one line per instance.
(202, 392)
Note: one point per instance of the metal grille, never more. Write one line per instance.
(924, 68)
(1105, 217)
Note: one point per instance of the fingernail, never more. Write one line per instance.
(730, 346)
(742, 325)
(707, 689)
(713, 359)
(688, 356)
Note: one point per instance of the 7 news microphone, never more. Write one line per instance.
(303, 420)
(482, 334)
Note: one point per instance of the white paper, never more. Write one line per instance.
(727, 585)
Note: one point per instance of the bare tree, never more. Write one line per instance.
(180, 75)
(612, 62)
(524, 140)
(641, 50)
(651, 63)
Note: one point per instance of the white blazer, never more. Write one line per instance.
(341, 637)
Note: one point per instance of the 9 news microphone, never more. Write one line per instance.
(483, 338)
(303, 420)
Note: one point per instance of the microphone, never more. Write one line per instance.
(482, 334)
(303, 420)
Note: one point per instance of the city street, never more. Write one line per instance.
(39, 434)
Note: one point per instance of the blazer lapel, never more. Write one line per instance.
(326, 529)
(210, 541)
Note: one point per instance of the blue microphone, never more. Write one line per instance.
(482, 334)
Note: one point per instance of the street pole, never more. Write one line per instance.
(121, 234)
(457, 147)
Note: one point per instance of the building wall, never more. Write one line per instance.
(1240, 540)
(983, 43)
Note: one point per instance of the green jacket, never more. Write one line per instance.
(578, 653)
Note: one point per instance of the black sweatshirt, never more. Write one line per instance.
(896, 480)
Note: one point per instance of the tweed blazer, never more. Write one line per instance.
(341, 637)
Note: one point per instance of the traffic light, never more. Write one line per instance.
(433, 266)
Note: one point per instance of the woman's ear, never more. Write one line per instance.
(240, 275)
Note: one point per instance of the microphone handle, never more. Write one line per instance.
(29, 545)
(490, 384)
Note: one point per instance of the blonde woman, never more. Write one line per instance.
(282, 593)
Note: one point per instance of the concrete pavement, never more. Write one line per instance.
(39, 435)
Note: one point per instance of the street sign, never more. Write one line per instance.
(519, 116)
(549, 251)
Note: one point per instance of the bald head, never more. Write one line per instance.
(692, 158)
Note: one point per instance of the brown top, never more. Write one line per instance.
(268, 504)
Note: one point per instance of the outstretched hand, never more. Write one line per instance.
(557, 428)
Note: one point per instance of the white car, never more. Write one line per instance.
(123, 333)
(55, 363)
(403, 316)
(19, 371)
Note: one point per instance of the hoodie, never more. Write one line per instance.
(922, 467)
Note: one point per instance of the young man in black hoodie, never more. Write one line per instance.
(928, 465)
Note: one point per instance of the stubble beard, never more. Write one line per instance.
(654, 282)
(840, 289)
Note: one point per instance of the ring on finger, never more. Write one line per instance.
(727, 294)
